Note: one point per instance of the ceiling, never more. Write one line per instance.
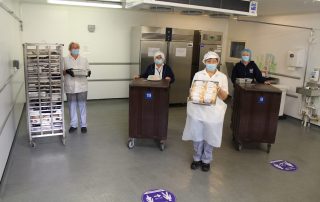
(270, 7)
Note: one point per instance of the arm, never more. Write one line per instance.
(258, 74)
(88, 68)
(67, 70)
(223, 91)
(234, 74)
(147, 72)
(170, 74)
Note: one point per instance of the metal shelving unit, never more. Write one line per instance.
(44, 90)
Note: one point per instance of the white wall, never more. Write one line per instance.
(110, 42)
(12, 96)
(262, 39)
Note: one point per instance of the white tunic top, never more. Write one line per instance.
(205, 123)
(76, 84)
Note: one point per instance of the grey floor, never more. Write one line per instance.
(99, 167)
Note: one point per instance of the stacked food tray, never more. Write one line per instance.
(44, 90)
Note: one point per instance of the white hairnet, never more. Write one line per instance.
(159, 53)
(210, 55)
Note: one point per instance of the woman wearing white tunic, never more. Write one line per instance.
(204, 123)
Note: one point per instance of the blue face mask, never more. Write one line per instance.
(246, 58)
(158, 61)
(211, 67)
(74, 51)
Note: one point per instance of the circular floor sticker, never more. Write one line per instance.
(158, 195)
(283, 165)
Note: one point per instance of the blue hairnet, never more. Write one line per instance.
(247, 50)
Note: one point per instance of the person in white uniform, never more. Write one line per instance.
(204, 123)
(76, 86)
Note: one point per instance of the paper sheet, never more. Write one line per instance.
(181, 52)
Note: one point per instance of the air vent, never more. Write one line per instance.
(161, 9)
(191, 12)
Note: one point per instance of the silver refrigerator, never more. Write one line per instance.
(176, 44)
(209, 41)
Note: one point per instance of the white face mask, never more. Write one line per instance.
(158, 61)
(211, 67)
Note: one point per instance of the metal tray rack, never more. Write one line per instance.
(44, 90)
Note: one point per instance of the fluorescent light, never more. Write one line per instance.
(86, 3)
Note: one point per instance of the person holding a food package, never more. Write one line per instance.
(247, 68)
(205, 111)
(76, 71)
(158, 69)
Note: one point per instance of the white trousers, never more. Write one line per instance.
(76, 100)
(202, 152)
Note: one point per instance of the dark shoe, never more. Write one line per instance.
(72, 129)
(84, 130)
(205, 167)
(196, 164)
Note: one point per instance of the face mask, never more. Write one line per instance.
(211, 67)
(246, 58)
(74, 51)
(158, 61)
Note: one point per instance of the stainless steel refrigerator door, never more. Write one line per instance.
(180, 60)
(147, 49)
(204, 48)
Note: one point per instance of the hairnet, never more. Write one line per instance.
(159, 53)
(210, 55)
(248, 51)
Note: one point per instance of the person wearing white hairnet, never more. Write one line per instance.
(158, 68)
(204, 123)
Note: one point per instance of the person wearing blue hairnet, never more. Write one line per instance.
(247, 69)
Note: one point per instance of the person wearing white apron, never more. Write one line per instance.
(76, 87)
(204, 123)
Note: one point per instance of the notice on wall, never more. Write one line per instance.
(152, 51)
(181, 52)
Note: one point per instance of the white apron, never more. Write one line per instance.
(205, 123)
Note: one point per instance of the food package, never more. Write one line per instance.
(204, 92)
(154, 78)
(80, 72)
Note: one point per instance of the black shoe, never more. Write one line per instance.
(205, 167)
(72, 129)
(84, 129)
(196, 164)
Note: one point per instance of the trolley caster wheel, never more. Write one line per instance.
(239, 147)
(33, 144)
(268, 148)
(130, 144)
(63, 140)
(162, 146)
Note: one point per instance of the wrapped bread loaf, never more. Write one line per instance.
(203, 92)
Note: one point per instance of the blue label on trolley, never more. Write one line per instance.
(261, 100)
(148, 95)
(158, 195)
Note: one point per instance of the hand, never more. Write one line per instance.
(136, 77)
(267, 83)
(70, 72)
(218, 89)
(168, 78)
(89, 73)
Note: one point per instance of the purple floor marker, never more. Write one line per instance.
(283, 165)
(158, 195)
